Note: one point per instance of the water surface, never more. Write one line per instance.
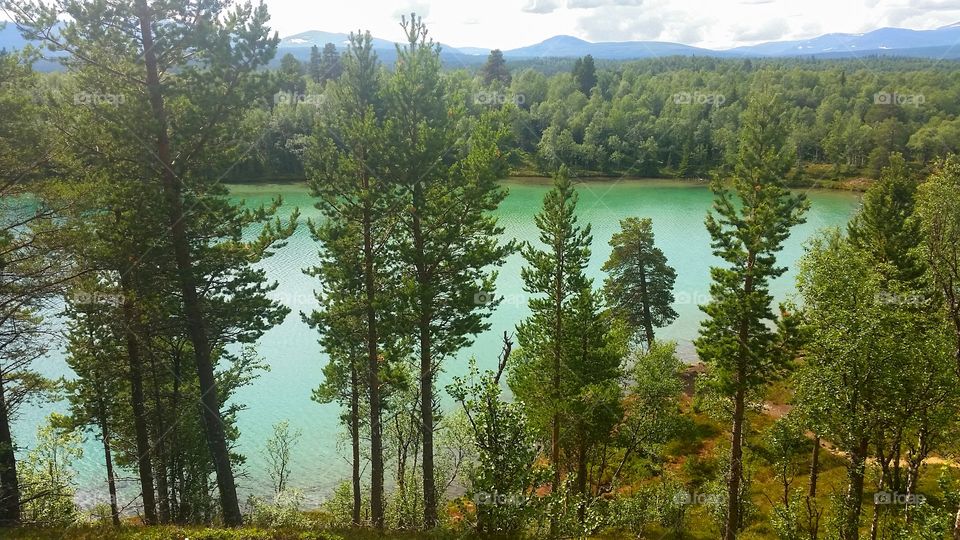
(295, 358)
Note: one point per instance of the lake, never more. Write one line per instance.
(321, 458)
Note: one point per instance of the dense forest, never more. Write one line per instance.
(832, 417)
(668, 117)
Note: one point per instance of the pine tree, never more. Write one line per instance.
(314, 68)
(585, 73)
(495, 69)
(213, 68)
(95, 354)
(639, 288)
(343, 166)
(449, 242)
(751, 220)
(31, 268)
(555, 275)
(331, 65)
(290, 76)
(884, 227)
(596, 346)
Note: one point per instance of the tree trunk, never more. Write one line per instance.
(732, 525)
(734, 518)
(177, 483)
(813, 513)
(163, 490)
(875, 519)
(850, 528)
(373, 365)
(582, 476)
(108, 461)
(426, 412)
(159, 448)
(426, 363)
(210, 400)
(137, 402)
(645, 298)
(814, 468)
(9, 485)
(915, 458)
(555, 391)
(355, 440)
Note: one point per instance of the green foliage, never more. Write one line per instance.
(278, 453)
(285, 512)
(785, 445)
(555, 276)
(585, 73)
(748, 228)
(495, 70)
(336, 511)
(651, 406)
(639, 288)
(290, 76)
(47, 479)
(504, 479)
(883, 226)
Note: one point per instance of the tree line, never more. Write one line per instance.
(672, 117)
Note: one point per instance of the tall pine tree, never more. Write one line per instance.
(449, 173)
(555, 276)
(751, 218)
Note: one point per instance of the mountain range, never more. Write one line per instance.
(939, 43)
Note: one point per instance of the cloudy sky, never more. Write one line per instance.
(509, 24)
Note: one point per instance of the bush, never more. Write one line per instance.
(285, 512)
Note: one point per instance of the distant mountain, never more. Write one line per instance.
(299, 46)
(875, 42)
(940, 43)
(569, 46)
(475, 51)
(318, 38)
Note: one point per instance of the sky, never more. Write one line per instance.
(716, 24)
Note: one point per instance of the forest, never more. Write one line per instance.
(830, 416)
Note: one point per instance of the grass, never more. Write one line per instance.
(207, 533)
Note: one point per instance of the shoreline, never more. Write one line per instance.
(850, 185)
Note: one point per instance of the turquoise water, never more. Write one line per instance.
(291, 349)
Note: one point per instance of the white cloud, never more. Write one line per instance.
(508, 24)
(541, 6)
